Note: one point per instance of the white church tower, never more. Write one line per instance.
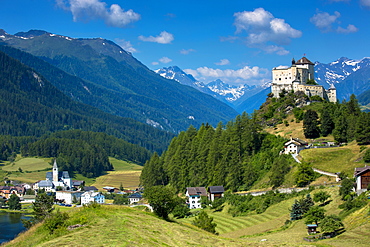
(55, 172)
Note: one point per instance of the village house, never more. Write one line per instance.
(7, 191)
(111, 189)
(295, 79)
(68, 197)
(134, 198)
(90, 188)
(294, 146)
(194, 195)
(215, 192)
(78, 183)
(90, 196)
(362, 176)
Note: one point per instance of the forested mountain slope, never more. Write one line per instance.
(32, 106)
(124, 86)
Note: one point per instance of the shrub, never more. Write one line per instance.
(205, 222)
(55, 221)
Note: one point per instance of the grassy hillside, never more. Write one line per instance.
(121, 226)
(111, 225)
(337, 159)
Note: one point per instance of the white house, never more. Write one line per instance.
(90, 196)
(362, 176)
(134, 198)
(294, 146)
(68, 196)
(193, 195)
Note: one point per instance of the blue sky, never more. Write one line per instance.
(238, 41)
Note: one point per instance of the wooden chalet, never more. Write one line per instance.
(362, 176)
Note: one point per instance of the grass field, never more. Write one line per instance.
(28, 164)
(336, 159)
(125, 173)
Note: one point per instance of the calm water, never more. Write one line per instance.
(10, 226)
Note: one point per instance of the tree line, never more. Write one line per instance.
(345, 121)
(235, 155)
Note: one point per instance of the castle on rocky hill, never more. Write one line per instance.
(300, 77)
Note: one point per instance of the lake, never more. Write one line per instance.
(10, 225)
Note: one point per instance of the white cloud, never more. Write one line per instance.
(350, 29)
(262, 27)
(326, 22)
(186, 52)
(275, 49)
(245, 75)
(165, 60)
(155, 63)
(126, 45)
(223, 62)
(365, 3)
(162, 38)
(86, 10)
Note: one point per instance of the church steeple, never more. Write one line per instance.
(55, 171)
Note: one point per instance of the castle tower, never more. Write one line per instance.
(55, 171)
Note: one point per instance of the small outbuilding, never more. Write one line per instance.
(312, 229)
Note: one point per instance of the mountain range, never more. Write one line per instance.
(103, 75)
(230, 94)
(347, 75)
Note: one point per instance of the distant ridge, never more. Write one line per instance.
(117, 83)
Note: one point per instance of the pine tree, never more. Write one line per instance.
(296, 211)
(306, 203)
(363, 129)
(310, 124)
(327, 124)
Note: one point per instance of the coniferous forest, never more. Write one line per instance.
(235, 156)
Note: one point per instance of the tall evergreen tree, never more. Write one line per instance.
(327, 124)
(340, 130)
(296, 211)
(363, 129)
(310, 124)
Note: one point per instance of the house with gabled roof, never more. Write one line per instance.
(91, 196)
(362, 176)
(294, 146)
(194, 195)
(215, 192)
(135, 198)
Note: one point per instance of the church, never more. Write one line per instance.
(55, 179)
(295, 79)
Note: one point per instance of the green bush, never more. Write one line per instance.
(55, 221)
